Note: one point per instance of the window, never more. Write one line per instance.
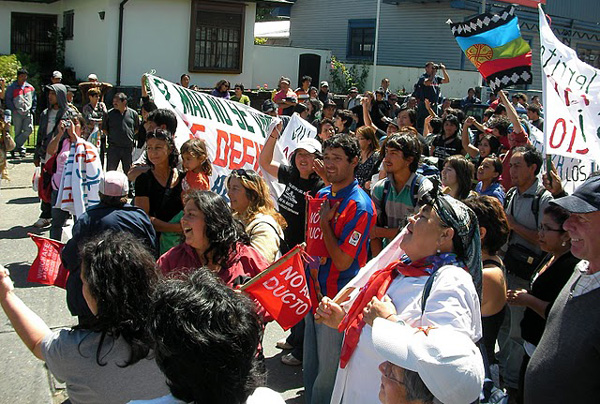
(68, 20)
(589, 54)
(216, 37)
(361, 39)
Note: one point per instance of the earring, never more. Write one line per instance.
(438, 251)
(564, 243)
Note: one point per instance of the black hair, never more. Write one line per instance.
(471, 89)
(120, 273)
(346, 142)
(531, 156)
(222, 229)
(300, 108)
(221, 83)
(534, 108)
(240, 86)
(165, 135)
(305, 78)
(412, 115)
(163, 116)
(497, 165)
(501, 123)
(295, 174)
(557, 213)
(150, 106)
(437, 125)
(409, 145)
(346, 117)
(184, 75)
(499, 109)
(206, 339)
(493, 142)
(453, 119)
(491, 217)
(112, 201)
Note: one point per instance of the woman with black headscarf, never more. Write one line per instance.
(437, 282)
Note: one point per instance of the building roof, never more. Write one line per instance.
(269, 2)
(272, 29)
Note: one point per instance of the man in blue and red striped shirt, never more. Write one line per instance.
(347, 216)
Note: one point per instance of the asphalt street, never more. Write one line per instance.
(24, 378)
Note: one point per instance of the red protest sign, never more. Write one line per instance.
(315, 245)
(526, 3)
(282, 289)
(47, 267)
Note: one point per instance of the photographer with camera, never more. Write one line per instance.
(428, 87)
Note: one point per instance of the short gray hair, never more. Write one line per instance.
(415, 388)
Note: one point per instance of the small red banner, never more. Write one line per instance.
(47, 267)
(282, 289)
(526, 3)
(315, 245)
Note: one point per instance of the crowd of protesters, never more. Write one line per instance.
(499, 264)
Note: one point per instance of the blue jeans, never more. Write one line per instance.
(59, 217)
(23, 126)
(322, 348)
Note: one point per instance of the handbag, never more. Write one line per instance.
(522, 261)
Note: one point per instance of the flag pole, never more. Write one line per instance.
(299, 248)
(376, 50)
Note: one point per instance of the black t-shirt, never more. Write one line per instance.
(292, 204)
(445, 148)
(147, 185)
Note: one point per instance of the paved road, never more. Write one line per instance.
(24, 378)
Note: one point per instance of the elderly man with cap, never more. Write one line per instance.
(285, 98)
(324, 95)
(93, 82)
(564, 366)
(112, 213)
(427, 363)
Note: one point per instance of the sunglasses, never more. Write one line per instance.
(243, 173)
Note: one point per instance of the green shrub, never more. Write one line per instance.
(9, 64)
(343, 77)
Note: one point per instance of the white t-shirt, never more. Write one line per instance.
(452, 302)
(261, 395)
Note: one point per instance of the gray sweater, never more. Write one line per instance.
(564, 367)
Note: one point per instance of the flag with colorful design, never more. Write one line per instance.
(493, 43)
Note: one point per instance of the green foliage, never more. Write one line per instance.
(343, 77)
(9, 64)
(260, 41)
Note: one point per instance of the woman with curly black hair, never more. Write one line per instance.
(158, 190)
(108, 361)
(213, 238)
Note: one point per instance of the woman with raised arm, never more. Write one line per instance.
(108, 360)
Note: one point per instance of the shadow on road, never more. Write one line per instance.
(23, 201)
(18, 274)
(283, 378)
(18, 232)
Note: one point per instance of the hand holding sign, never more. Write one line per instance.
(551, 179)
(329, 313)
(327, 212)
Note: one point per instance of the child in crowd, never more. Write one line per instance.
(196, 165)
(197, 172)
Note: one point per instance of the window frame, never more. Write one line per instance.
(595, 48)
(363, 24)
(68, 29)
(211, 6)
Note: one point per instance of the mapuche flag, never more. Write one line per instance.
(282, 289)
(493, 43)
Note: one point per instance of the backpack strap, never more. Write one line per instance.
(414, 188)
(282, 242)
(535, 205)
(386, 190)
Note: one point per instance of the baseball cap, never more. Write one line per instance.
(585, 199)
(56, 74)
(353, 90)
(268, 106)
(114, 183)
(310, 145)
(92, 76)
(22, 71)
(324, 84)
(448, 362)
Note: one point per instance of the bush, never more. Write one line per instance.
(9, 64)
(342, 77)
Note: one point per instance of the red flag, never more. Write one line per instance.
(47, 267)
(282, 289)
(315, 245)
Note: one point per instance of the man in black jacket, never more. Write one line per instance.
(114, 213)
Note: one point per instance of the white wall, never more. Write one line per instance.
(406, 77)
(7, 7)
(272, 62)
